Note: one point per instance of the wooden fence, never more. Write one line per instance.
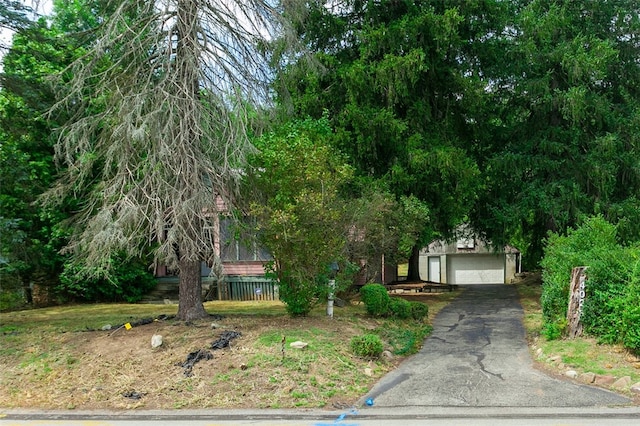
(232, 288)
(247, 288)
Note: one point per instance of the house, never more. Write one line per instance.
(468, 260)
(243, 267)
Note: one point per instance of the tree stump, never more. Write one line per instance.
(577, 294)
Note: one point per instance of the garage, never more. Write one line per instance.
(476, 269)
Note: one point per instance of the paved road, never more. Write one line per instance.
(477, 356)
(376, 416)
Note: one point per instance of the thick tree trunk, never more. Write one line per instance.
(190, 305)
(414, 264)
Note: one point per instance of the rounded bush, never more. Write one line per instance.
(367, 346)
(419, 311)
(299, 297)
(127, 281)
(400, 308)
(376, 299)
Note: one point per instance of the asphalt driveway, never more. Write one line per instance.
(477, 356)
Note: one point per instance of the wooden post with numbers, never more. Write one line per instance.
(577, 294)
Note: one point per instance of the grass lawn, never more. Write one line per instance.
(61, 358)
(583, 354)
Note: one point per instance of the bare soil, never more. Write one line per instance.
(50, 367)
(119, 369)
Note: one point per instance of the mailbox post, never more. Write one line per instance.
(332, 287)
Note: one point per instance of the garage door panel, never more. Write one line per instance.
(475, 269)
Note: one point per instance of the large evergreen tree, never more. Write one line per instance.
(564, 123)
(403, 84)
(158, 132)
(30, 235)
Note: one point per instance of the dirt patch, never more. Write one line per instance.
(251, 368)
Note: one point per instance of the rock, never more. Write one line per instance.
(554, 359)
(636, 365)
(106, 327)
(168, 302)
(622, 383)
(339, 302)
(368, 372)
(156, 341)
(388, 355)
(604, 380)
(636, 388)
(539, 353)
(571, 374)
(587, 377)
(298, 345)
(215, 325)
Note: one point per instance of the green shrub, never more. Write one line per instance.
(127, 281)
(367, 346)
(11, 292)
(554, 330)
(299, 297)
(400, 308)
(562, 253)
(611, 310)
(11, 300)
(376, 300)
(631, 312)
(419, 311)
(404, 338)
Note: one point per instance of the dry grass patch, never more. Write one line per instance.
(59, 358)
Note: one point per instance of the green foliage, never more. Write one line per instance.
(562, 141)
(554, 330)
(300, 214)
(125, 281)
(30, 235)
(400, 308)
(398, 103)
(11, 293)
(404, 338)
(593, 240)
(631, 312)
(419, 311)
(376, 300)
(367, 346)
(610, 310)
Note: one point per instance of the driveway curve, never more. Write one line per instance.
(477, 356)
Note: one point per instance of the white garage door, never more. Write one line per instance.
(475, 269)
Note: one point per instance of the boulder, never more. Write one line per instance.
(571, 374)
(622, 383)
(156, 341)
(603, 380)
(587, 377)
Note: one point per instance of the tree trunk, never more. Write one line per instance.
(577, 294)
(413, 273)
(190, 305)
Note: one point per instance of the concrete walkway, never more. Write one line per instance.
(477, 356)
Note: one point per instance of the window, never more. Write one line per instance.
(465, 243)
(238, 244)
